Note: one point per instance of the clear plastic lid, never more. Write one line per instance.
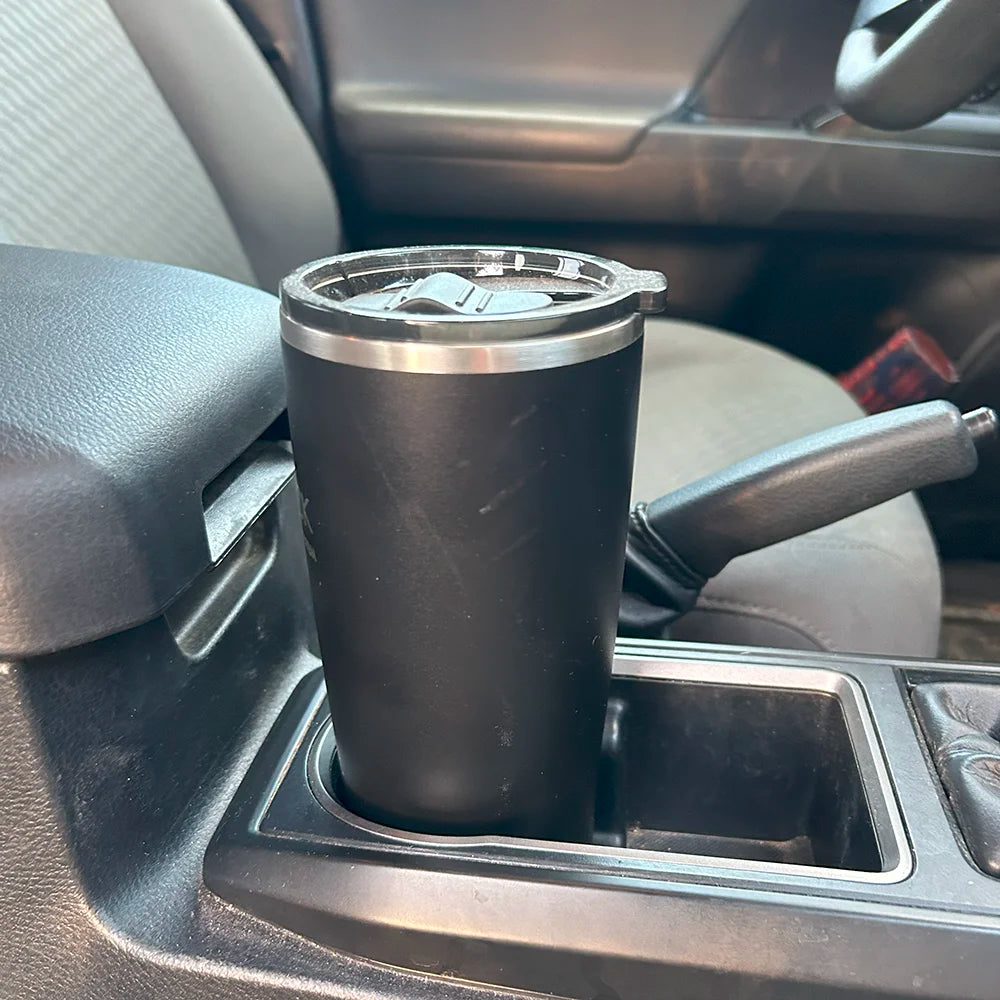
(466, 308)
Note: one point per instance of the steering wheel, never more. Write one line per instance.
(949, 53)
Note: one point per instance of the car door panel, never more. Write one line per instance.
(574, 80)
(645, 111)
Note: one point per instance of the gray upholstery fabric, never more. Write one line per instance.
(221, 176)
(870, 583)
(255, 149)
(90, 156)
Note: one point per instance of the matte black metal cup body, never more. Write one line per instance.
(465, 532)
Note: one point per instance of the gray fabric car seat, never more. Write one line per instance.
(156, 130)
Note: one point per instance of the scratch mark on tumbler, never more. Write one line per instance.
(502, 496)
(524, 415)
(517, 543)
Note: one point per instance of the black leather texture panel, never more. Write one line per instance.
(125, 388)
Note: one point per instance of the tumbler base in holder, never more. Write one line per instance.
(727, 771)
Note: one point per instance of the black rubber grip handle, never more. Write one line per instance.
(816, 480)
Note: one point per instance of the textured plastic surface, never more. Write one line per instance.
(121, 758)
(118, 760)
(759, 774)
(128, 387)
(583, 921)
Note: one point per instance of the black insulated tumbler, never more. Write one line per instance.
(463, 420)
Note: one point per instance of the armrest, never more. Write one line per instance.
(126, 387)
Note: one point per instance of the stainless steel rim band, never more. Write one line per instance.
(482, 358)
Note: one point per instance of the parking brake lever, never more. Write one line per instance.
(676, 543)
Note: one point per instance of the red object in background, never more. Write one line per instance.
(908, 368)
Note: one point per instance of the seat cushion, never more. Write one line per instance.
(869, 583)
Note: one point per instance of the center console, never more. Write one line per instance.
(767, 823)
(177, 820)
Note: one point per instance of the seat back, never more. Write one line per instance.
(155, 131)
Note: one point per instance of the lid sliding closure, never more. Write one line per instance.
(445, 292)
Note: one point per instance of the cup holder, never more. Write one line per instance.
(782, 774)
(734, 772)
